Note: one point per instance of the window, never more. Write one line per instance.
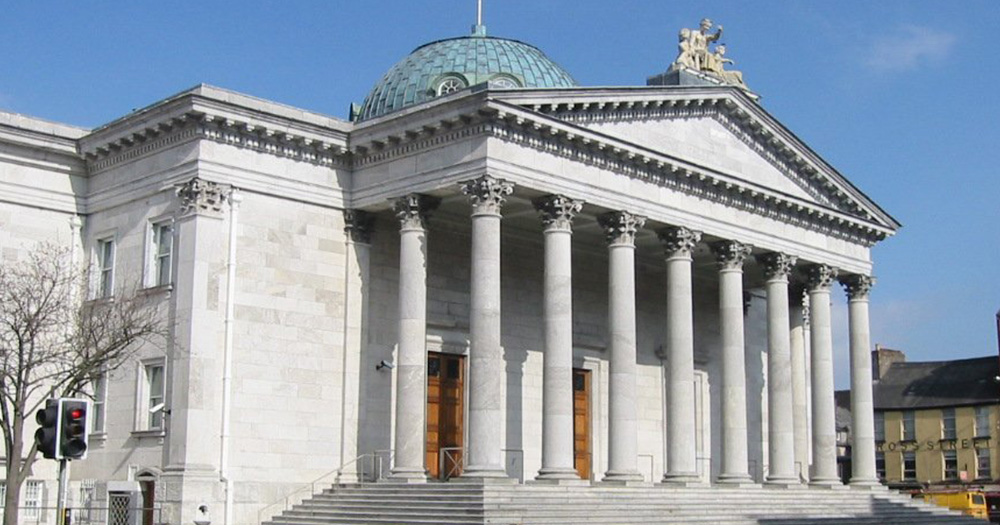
(100, 391)
(982, 421)
(503, 82)
(950, 464)
(983, 465)
(948, 423)
(450, 85)
(880, 464)
(161, 249)
(909, 426)
(33, 499)
(105, 268)
(879, 426)
(151, 417)
(909, 465)
(3, 494)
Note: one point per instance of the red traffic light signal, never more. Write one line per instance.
(63, 429)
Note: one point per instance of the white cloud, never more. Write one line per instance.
(909, 47)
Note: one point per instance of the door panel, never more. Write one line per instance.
(445, 410)
(581, 422)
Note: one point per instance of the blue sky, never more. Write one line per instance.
(900, 96)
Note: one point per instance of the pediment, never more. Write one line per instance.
(719, 131)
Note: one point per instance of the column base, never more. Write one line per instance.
(463, 480)
(686, 479)
(407, 476)
(866, 484)
(786, 482)
(827, 483)
(557, 474)
(576, 481)
(626, 477)
(484, 472)
(737, 481)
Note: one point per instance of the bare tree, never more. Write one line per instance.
(52, 344)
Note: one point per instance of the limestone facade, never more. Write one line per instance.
(648, 235)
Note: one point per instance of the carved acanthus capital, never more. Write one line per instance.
(679, 241)
(820, 276)
(620, 226)
(777, 265)
(730, 254)
(857, 286)
(358, 224)
(201, 197)
(414, 209)
(557, 211)
(487, 193)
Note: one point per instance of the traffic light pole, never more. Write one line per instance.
(61, 495)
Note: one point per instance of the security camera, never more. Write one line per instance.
(384, 364)
(156, 408)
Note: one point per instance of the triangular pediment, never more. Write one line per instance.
(718, 130)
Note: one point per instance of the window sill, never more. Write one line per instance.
(156, 432)
(98, 301)
(163, 289)
(99, 437)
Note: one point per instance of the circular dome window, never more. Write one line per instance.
(449, 84)
(504, 82)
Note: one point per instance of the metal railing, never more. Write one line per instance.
(90, 515)
(379, 459)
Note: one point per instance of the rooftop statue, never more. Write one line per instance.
(694, 54)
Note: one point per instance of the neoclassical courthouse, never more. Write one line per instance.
(488, 271)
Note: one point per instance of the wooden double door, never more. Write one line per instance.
(445, 414)
(446, 417)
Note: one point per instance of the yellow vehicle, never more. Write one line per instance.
(968, 502)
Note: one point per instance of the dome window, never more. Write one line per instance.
(504, 82)
(450, 85)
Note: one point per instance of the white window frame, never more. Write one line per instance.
(949, 456)
(99, 407)
(33, 493)
(912, 455)
(982, 421)
(104, 269)
(155, 259)
(144, 420)
(980, 454)
(909, 425)
(948, 424)
(450, 84)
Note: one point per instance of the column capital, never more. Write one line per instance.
(487, 193)
(358, 225)
(730, 254)
(820, 277)
(857, 286)
(620, 226)
(557, 211)
(777, 265)
(678, 241)
(201, 197)
(414, 209)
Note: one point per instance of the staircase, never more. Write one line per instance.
(460, 503)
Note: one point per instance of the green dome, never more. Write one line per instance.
(441, 67)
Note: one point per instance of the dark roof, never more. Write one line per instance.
(939, 384)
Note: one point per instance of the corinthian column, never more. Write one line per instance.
(621, 228)
(824, 424)
(780, 437)
(486, 364)
(682, 452)
(862, 415)
(735, 467)
(557, 371)
(800, 404)
(411, 366)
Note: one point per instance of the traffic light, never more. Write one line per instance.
(73, 428)
(63, 430)
(47, 435)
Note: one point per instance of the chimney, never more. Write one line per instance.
(883, 358)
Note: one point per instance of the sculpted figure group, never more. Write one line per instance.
(695, 54)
